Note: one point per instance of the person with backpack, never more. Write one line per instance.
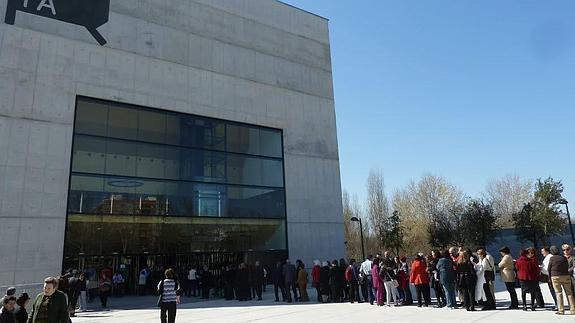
(170, 292)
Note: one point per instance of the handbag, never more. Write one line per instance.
(489, 274)
(395, 283)
(161, 290)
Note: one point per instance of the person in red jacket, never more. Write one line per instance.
(528, 275)
(352, 278)
(420, 278)
(315, 273)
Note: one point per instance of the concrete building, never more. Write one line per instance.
(202, 131)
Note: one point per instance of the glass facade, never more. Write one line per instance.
(151, 181)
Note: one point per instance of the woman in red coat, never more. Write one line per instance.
(528, 275)
(377, 282)
(420, 278)
(315, 274)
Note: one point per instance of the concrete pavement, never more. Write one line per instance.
(142, 310)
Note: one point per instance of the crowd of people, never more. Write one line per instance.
(459, 278)
(457, 273)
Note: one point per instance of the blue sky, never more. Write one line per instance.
(469, 90)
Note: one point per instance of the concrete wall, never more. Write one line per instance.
(253, 61)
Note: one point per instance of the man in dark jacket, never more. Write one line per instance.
(8, 305)
(51, 306)
(289, 279)
(278, 277)
(258, 279)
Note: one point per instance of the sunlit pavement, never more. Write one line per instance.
(269, 311)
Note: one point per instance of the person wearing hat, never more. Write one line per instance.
(8, 305)
(11, 291)
(21, 314)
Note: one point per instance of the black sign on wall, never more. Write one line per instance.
(88, 13)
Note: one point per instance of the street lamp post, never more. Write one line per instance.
(564, 201)
(356, 219)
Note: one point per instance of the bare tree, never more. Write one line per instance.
(352, 208)
(429, 209)
(377, 206)
(507, 196)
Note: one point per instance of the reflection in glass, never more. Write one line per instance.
(92, 118)
(123, 123)
(152, 181)
(108, 234)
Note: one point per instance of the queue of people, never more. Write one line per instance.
(459, 277)
(466, 275)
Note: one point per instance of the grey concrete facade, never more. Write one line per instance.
(254, 61)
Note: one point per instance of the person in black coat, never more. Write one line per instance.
(258, 279)
(324, 279)
(243, 283)
(21, 314)
(8, 305)
(289, 273)
(228, 281)
(206, 282)
(466, 279)
(278, 280)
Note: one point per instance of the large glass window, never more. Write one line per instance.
(145, 180)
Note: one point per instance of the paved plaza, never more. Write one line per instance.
(143, 310)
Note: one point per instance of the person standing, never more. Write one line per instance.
(73, 293)
(21, 314)
(434, 278)
(258, 279)
(507, 271)
(315, 278)
(487, 272)
(279, 282)
(466, 279)
(207, 281)
(324, 281)
(289, 279)
(105, 286)
(387, 274)
(352, 277)
(51, 305)
(83, 287)
(192, 283)
(365, 278)
(377, 282)
(169, 290)
(420, 279)
(8, 306)
(528, 275)
(559, 274)
(532, 255)
(446, 273)
(243, 283)
(302, 283)
(571, 264)
(118, 281)
(343, 281)
(142, 279)
(545, 252)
